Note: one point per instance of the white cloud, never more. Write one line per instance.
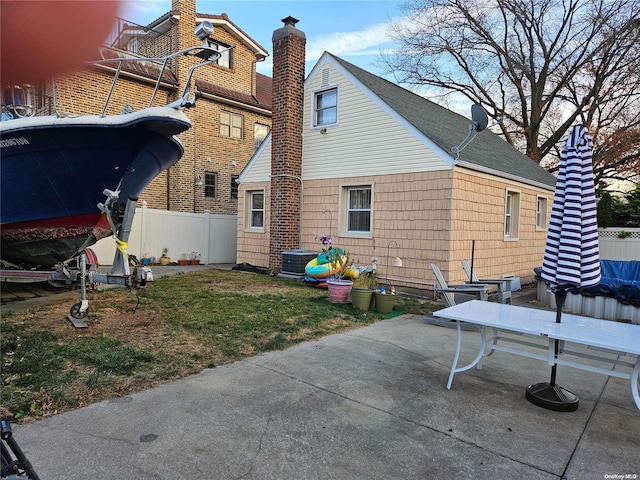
(366, 42)
(349, 43)
(143, 12)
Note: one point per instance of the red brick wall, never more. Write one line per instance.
(286, 141)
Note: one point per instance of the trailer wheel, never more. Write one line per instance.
(76, 313)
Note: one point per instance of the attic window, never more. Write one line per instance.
(326, 107)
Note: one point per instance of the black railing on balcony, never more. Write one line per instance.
(138, 40)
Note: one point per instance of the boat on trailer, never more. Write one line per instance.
(68, 181)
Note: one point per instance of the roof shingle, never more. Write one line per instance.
(447, 129)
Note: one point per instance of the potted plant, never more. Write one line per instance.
(385, 299)
(362, 291)
(165, 259)
(195, 258)
(339, 288)
(184, 259)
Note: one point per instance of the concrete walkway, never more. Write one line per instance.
(367, 404)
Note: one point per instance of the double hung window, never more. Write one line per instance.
(326, 108)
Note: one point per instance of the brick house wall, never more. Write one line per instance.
(181, 188)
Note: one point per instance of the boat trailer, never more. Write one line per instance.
(125, 271)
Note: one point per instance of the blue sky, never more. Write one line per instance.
(354, 30)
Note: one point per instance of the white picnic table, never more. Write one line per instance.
(603, 337)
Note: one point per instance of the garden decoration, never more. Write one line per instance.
(335, 262)
(164, 258)
(385, 299)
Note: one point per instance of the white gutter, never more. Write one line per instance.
(499, 173)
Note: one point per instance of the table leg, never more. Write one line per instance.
(455, 370)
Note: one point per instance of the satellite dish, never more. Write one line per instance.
(479, 117)
(480, 122)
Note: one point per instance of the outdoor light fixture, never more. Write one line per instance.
(204, 30)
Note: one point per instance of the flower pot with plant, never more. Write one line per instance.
(385, 299)
(184, 259)
(165, 259)
(362, 292)
(339, 288)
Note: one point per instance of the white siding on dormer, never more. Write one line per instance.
(368, 139)
(259, 167)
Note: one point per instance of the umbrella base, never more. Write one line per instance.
(552, 397)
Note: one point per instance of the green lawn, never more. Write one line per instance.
(183, 324)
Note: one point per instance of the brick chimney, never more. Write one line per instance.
(286, 140)
(180, 184)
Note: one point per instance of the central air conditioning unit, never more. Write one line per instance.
(294, 261)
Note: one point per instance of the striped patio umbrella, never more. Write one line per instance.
(571, 256)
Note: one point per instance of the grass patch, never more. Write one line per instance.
(184, 324)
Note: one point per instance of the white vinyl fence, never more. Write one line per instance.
(619, 243)
(214, 238)
(211, 236)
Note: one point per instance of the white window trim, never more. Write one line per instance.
(342, 210)
(515, 215)
(225, 54)
(249, 209)
(313, 107)
(543, 215)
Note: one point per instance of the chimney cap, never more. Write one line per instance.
(290, 21)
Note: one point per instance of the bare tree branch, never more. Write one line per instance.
(541, 65)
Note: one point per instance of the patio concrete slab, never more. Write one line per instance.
(370, 403)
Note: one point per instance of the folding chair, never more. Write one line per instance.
(503, 284)
(470, 291)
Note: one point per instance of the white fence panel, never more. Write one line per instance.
(212, 236)
(223, 239)
(614, 247)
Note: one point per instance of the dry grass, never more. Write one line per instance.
(183, 324)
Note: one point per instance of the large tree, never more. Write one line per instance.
(540, 65)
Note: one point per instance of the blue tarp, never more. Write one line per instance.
(620, 279)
